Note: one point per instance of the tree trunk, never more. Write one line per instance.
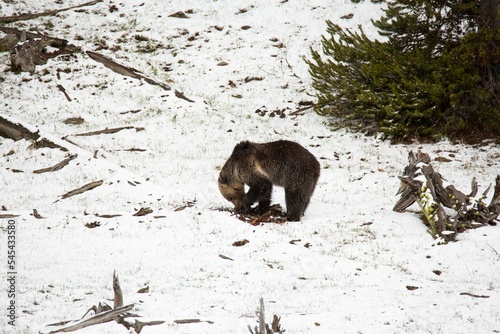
(489, 20)
(488, 14)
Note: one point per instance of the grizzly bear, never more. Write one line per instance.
(283, 163)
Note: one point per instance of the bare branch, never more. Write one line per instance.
(23, 17)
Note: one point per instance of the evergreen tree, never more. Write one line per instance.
(436, 72)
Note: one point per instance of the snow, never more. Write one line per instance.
(355, 257)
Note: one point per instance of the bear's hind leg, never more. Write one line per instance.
(295, 205)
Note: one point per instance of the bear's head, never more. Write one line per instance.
(233, 191)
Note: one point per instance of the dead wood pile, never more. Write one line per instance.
(28, 49)
(446, 210)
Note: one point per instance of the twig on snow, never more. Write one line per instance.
(87, 187)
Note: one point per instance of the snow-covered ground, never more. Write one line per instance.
(352, 258)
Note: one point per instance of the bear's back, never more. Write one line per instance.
(287, 162)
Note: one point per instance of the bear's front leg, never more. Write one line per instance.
(260, 192)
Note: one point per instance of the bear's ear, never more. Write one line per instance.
(243, 147)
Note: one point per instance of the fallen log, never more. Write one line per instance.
(131, 72)
(95, 320)
(104, 313)
(15, 131)
(124, 70)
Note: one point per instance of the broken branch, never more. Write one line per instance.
(87, 187)
(63, 90)
(24, 17)
(96, 319)
(105, 131)
(57, 166)
(131, 72)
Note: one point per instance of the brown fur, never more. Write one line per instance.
(282, 163)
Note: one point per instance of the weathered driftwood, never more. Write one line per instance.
(56, 167)
(87, 187)
(421, 184)
(99, 318)
(131, 72)
(23, 17)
